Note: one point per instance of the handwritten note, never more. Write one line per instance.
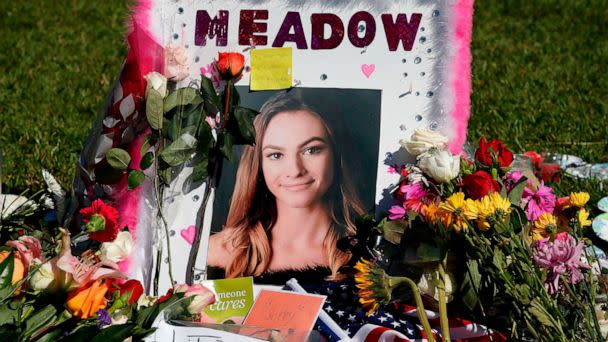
(284, 310)
(271, 69)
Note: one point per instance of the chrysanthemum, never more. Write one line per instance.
(562, 259)
(583, 218)
(373, 284)
(544, 226)
(494, 205)
(459, 210)
(579, 199)
(430, 213)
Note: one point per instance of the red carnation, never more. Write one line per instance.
(479, 184)
(101, 221)
(230, 64)
(493, 150)
(133, 286)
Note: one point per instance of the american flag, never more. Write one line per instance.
(400, 324)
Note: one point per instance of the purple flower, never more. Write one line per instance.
(561, 257)
(104, 318)
(539, 202)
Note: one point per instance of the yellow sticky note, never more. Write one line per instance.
(271, 69)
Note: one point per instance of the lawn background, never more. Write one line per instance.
(540, 80)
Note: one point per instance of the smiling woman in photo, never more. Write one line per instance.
(293, 198)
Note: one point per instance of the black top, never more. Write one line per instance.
(311, 275)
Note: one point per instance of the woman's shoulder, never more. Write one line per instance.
(220, 248)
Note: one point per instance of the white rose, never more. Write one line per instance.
(146, 301)
(441, 165)
(119, 249)
(157, 82)
(43, 277)
(422, 140)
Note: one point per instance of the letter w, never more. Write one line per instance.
(401, 30)
(214, 28)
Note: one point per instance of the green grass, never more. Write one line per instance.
(539, 79)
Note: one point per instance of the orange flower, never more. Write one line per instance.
(18, 268)
(230, 64)
(86, 301)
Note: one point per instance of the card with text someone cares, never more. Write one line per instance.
(233, 299)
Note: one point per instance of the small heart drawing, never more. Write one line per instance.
(368, 69)
(188, 234)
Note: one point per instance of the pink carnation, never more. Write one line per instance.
(414, 197)
(561, 257)
(511, 179)
(539, 202)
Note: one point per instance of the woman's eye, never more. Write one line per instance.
(313, 150)
(274, 156)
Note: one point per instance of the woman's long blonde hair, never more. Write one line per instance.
(253, 209)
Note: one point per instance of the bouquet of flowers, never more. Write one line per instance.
(515, 253)
(55, 289)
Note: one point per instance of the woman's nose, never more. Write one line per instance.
(295, 167)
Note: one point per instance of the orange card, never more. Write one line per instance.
(285, 310)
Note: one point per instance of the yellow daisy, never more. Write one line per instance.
(454, 204)
(583, 218)
(579, 199)
(544, 226)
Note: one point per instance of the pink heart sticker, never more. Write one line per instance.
(368, 69)
(188, 234)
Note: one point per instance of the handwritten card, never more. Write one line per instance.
(284, 310)
(271, 69)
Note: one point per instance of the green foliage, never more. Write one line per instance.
(118, 158)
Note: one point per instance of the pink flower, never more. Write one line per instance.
(511, 179)
(561, 257)
(74, 272)
(29, 248)
(539, 202)
(396, 212)
(202, 297)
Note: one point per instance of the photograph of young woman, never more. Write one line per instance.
(293, 199)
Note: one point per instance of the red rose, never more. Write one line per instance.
(549, 173)
(101, 221)
(230, 64)
(535, 156)
(479, 184)
(166, 296)
(488, 151)
(133, 286)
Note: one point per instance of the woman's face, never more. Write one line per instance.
(297, 160)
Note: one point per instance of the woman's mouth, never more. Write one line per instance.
(297, 186)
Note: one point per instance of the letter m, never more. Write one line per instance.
(214, 28)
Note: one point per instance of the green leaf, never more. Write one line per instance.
(517, 191)
(471, 285)
(498, 259)
(6, 276)
(147, 160)
(118, 158)
(209, 93)
(181, 97)
(9, 312)
(200, 171)
(154, 109)
(226, 143)
(40, 319)
(166, 174)
(9, 332)
(180, 150)
(205, 139)
(51, 336)
(393, 230)
(538, 311)
(136, 177)
(145, 145)
(115, 333)
(244, 118)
